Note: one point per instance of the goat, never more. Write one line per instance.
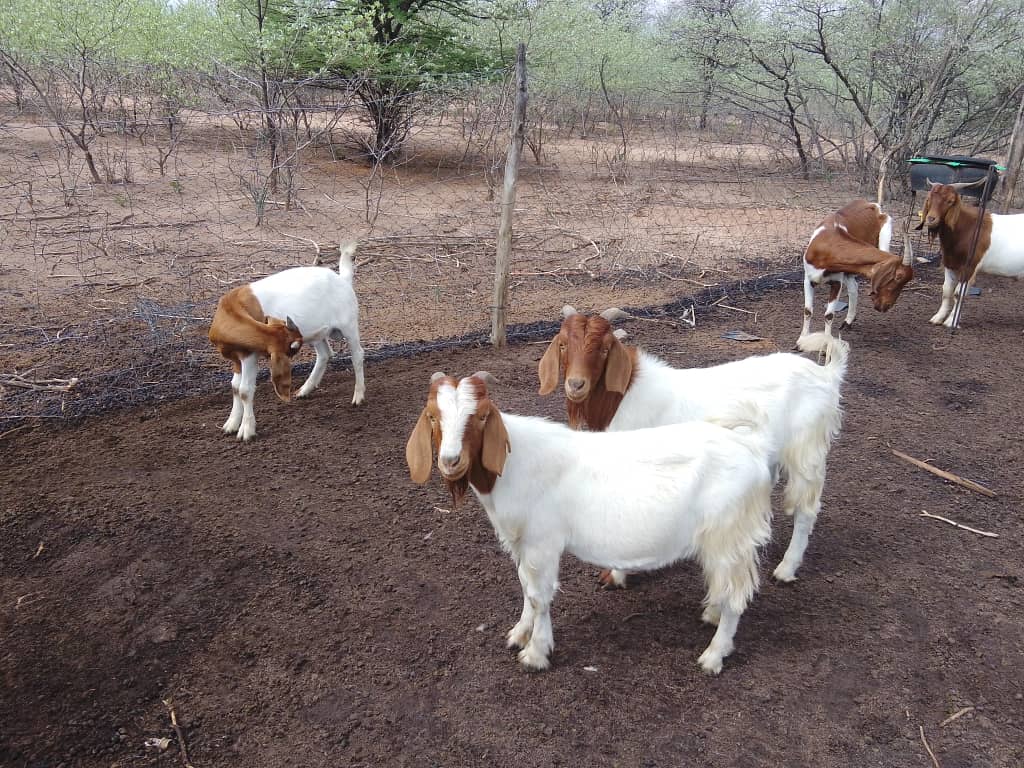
(609, 385)
(999, 249)
(853, 241)
(639, 499)
(317, 303)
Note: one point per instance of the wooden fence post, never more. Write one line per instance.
(503, 257)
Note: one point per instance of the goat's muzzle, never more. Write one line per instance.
(577, 389)
(452, 468)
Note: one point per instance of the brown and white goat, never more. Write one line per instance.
(318, 303)
(610, 386)
(999, 249)
(638, 500)
(850, 242)
(242, 333)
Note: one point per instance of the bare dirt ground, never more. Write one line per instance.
(302, 603)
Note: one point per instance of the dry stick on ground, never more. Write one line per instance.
(181, 736)
(956, 716)
(958, 525)
(931, 754)
(53, 385)
(978, 487)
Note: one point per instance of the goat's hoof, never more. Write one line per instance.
(303, 393)
(245, 435)
(533, 659)
(358, 399)
(845, 326)
(784, 573)
(710, 662)
(611, 578)
(517, 638)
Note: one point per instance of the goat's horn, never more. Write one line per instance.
(487, 378)
(438, 375)
(968, 184)
(931, 183)
(614, 313)
(908, 251)
(291, 324)
(568, 311)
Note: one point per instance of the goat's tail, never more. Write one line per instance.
(837, 351)
(749, 420)
(346, 265)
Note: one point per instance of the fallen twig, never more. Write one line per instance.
(958, 525)
(178, 732)
(931, 754)
(978, 487)
(57, 385)
(12, 431)
(956, 716)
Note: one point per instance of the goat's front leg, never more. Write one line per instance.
(235, 419)
(721, 644)
(853, 293)
(960, 293)
(323, 356)
(519, 635)
(246, 393)
(948, 290)
(541, 582)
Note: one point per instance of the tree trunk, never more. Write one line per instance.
(1014, 157)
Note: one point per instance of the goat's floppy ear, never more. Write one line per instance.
(418, 453)
(547, 369)
(495, 443)
(618, 369)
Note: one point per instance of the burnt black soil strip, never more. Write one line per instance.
(173, 373)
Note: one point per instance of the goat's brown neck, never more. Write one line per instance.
(956, 240)
(478, 476)
(598, 410)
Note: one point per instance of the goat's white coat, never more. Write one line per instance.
(322, 303)
(1004, 258)
(635, 500)
(800, 401)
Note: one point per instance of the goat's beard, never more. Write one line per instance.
(457, 488)
(596, 411)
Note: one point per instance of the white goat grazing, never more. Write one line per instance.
(318, 303)
(609, 385)
(636, 500)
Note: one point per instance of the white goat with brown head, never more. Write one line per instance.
(609, 385)
(635, 500)
(317, 304)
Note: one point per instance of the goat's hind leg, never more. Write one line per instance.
(802, 501)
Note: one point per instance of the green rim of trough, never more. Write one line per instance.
(956, 163)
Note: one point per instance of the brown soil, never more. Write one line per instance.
(302, 603)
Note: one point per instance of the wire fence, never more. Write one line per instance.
(112, 285)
